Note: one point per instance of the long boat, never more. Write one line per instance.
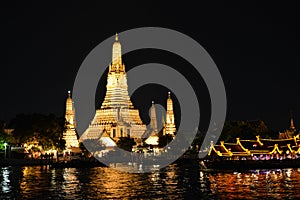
(254, 154)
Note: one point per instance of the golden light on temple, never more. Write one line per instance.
(69, 134)
(117, 115)
(170, 127)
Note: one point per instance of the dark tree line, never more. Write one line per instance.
(245, 130)
(46, 129)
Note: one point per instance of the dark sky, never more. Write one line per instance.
(255, 46)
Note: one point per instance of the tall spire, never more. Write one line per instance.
(69, 104)
(153, 120)
(292, 125)
(116, 52)
(117, 114)
(169, 103)
(69, 135)
(117, 37)
(162, 119)
(170, 120)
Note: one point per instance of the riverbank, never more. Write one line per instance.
(25, 162)
(81, 163)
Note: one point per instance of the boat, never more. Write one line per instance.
(253, 154)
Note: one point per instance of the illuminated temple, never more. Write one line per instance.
(117, 116)
(70, 135)
(169, 127)
(153, 138)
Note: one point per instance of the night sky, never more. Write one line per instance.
(255, 46)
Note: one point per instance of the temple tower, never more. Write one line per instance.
(153, 138)
(290, 132)
(70, 135)
(153, 119)
(292, 125)
(117, 115)
(69, 115)
(170, 127)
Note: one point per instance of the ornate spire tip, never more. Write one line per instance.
(117, 37)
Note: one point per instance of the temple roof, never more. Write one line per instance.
(259, 146)
(152, 140)
(280, 142)
(106, 140)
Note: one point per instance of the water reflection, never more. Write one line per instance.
(177, 181)
(6, 181)
(270, 184)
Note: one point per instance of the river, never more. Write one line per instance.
(182, 180)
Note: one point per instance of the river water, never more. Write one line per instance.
(182, 180)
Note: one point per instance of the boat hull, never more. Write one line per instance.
(251, 164)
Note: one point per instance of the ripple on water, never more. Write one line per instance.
(264, 184)
(177, 181)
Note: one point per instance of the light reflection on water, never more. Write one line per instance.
(177, 181)
(263, 184)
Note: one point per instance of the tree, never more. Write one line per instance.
(247, 130)
(198, 140)
(164, 140)
(91, 145)
(126, 143)
(4, 137)
(46, 129)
